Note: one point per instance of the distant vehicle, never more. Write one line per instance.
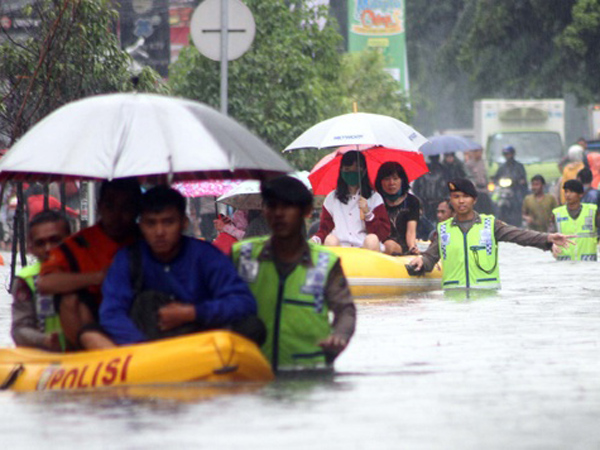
(535, 128)
(594, 121)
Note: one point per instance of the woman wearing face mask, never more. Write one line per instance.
(353, 214)
(402, 208)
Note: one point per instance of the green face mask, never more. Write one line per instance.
(351, 178)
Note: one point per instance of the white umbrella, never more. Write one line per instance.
(247, 194)
(144, 135)
(360, 129)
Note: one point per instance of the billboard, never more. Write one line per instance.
(380, 24)
(145, 32)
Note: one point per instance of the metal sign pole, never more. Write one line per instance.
(224, 45)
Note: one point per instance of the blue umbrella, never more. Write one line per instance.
(448, 143)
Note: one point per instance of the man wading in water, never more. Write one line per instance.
(467, 244)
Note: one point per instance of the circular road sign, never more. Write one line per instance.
(205, 28)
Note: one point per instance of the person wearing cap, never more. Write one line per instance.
(296, 283)
(515, 171)
(467, 243)
(580, 220)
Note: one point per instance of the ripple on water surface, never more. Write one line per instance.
(517, 369)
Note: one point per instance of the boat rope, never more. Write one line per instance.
(226, 367)
(12, 377)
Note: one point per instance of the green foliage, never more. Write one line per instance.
(363, 79)
(528, 48)
(578, 44)
(73, 53)
(439, 90)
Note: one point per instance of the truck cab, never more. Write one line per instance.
(535, 128)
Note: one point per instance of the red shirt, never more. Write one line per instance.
(92, 251)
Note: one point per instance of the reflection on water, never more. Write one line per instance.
(519, 368)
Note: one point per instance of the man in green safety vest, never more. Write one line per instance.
(580, 220)
(467, 244)
(296, 284)
(35, 322)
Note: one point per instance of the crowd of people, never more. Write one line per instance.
(137, 275)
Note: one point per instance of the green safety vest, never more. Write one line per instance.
(469, 260)
(293, 308)
(584, 230)
(47, 317)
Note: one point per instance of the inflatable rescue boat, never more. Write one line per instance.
(214, 356)
(374, 274)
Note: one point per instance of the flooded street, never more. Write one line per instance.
(519, 370)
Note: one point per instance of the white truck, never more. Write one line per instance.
(594, 121)
(535, 128)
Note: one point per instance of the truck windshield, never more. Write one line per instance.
(531, 146)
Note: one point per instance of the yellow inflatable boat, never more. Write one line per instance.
(374, 274)
(215, 356)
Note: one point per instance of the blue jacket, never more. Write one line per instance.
(200, 274)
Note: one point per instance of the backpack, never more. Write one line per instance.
(146, 303)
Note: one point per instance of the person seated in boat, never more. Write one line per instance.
(168, 284)
(468, 243)
(402, 207)
(353, 214)
(35, 322)
(297, 283)
(76, 268)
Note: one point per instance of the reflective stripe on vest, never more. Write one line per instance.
(583, 228)
(293, 309)
(47, 318)
(469, 260)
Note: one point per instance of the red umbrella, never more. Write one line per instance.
(324, 175)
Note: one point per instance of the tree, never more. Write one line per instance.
(363, 79)
(528, 48)
(578, 44)
(285, 83)
(440, 93)
(71, 53)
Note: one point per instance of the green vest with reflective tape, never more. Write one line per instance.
(293, 308)
(469, 260)
(584, 230)
(47, 318)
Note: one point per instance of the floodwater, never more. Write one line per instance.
(519, 369)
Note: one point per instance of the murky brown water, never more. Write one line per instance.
(518, 370)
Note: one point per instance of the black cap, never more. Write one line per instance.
(462, 185)
(573, 186)
(286, 189)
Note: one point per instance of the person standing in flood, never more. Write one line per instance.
(297, 284)
(538, 206)
(579, 219)
(468, 243)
